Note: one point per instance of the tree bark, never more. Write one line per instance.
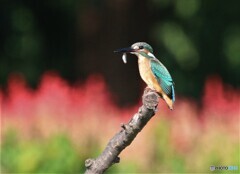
(125, 136)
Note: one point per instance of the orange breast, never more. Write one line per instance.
(149, 78)
(147, 74)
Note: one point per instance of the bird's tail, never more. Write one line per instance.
(169, 102)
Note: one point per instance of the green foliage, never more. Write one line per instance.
(165, 158)
(54, 155)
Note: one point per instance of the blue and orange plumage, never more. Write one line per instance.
(152, 71)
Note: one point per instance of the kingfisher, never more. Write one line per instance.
(152, 71)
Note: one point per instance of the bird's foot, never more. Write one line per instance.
(148, 89)
(150, 99)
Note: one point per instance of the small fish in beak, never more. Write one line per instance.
(124, 58)
(124, 51)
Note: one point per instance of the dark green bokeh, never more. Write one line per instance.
(193, 38)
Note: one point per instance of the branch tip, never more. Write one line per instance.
(150, 99)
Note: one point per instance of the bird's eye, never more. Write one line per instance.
(140, 47)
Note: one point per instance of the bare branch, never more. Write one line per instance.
(125, 136)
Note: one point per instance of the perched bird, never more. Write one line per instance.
(152, 71)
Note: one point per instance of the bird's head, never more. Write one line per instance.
(139, 48)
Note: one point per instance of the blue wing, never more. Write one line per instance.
(164, 78)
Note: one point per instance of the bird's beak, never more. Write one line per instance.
(125, 50)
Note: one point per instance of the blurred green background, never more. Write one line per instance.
(59, 79)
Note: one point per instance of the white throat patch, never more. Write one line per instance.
(151, 55)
